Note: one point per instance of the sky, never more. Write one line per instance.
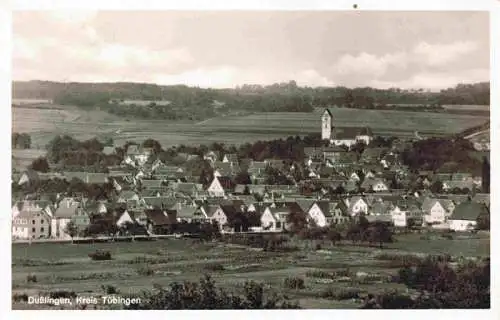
(429, 50)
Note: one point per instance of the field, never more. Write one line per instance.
(67, 266)
(44, 124)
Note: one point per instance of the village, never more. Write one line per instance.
(153, 198)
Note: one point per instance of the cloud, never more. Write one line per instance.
(443, 54)
(369, 64)
(229, 49)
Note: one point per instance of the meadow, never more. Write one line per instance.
(140, 265)
(43, 124)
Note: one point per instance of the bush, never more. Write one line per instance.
(31, 278)
(20, 297)
(62, 294)
(214, 267)
(100, 255)
(108, 289)
(341, 294)
(294, 283)
(145, 271)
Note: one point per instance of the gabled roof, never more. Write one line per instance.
(373, 154)
(185, 212)
(452, 184)
(239, 188)
(231, 157)
(67, 208)
(108, 150)
(226, 182)
(151, 184)
(482, 198)
(160, 202)
(127, 194)
(381, 207)
(469, 210)
(159, 217)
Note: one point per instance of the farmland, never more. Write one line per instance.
(44, 124)
(67, 266)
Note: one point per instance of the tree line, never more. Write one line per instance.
(197, 103)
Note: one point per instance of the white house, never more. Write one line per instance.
(274, 219)
(434, 212)
(220, 186)
(65, 212)
(357, 205)
(124, 218)
(375, 184)
(401, 215)
(325, 213)
(31, 224)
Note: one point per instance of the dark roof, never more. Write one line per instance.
(469, 210)
(159, 217)
(226, 183)
(351, 133)
(160, 202)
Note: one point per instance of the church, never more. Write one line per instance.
(347, 136)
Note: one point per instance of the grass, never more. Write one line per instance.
(138, 266)
(44, 124)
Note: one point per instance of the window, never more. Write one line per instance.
(41, 221)
(41, 229)
(33, 229)
(33, 221)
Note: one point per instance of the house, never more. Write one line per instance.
(158, 202)
(325, 213)
(451, 185)
(357, 205)
(380, 208)
(187, 213)
(128, 196)
(434, 211)
(220, 186)
(230, 158)
(257, 169)
(372, 155)
(406, 213)
(32, 205)
(229, 217)
(275, 219)
(29, 177)
(159, 221)
(124, 219)
(212, 156)
(81, 220)
(151, 184)
(31, 224)
(136, 153)
(66, 211)
(482, 198)
(374, 184)
(464, 217)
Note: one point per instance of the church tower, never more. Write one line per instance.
(326, 125)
